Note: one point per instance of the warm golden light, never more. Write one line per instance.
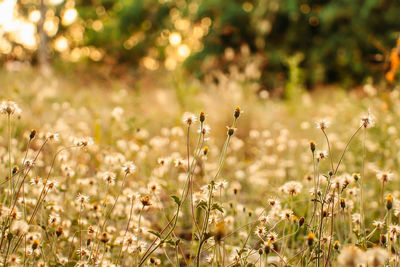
(183, 51)
(34, 16)
(69, 16)
(61, 44)
(175, 38)
(55, 2)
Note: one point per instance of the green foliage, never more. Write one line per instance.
(341, 41)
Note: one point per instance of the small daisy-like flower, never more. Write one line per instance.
(260, 231)
(384, 176)
(36, 181)
(379, 224)
(356, 218)
(367, 121)
(264, 219)
(83, 252)
(83, 142)
(322, 154)
(9, 107)
(221, 185)
(82, 199)
(14, 213)
(272, 237)
(204, 130)
(286, 214)
(19, 228)
(28, 162)
(13, 259)
(154, 188)
(53, 136)
(394, 229)
(273, 202)
(51, 185)
(54, 220)
(210, 259)
(189, 118)
(292, 188)
(129, 167)
(109, 178)
(323, 124)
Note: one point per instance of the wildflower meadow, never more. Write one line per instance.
(227, 133)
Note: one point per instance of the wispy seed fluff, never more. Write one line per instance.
(9, 107)
(291, 188)
(323, 124)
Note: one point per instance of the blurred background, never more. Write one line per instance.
(275, 43)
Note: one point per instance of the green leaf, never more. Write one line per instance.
(202, 205)
(177, 200)
(216, 206)
(155, 233)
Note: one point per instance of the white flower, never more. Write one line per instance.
(82, 199)
(322, 154)
(52, 136)
(83, 142)
(9, 107)
(323, 124)
(367, 121)
(189, 118)
(384, 176)
(378, 224)
(129, 167)
(205, 130)
(292, 188)
(20, 228)
(108, 177)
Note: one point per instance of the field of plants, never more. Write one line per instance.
(100, 174)
(196, 133)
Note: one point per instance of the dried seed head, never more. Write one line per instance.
(323, 124)
(10, 107)
(145, 200)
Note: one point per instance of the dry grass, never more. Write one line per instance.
(73, 200)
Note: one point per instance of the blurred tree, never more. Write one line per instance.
(340, 40)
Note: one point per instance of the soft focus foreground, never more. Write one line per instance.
(98, 178)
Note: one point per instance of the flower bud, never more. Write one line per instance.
(389, 202)
(202, 116)
(237, 112)
(310, 239)
(312, 146)
(32, 134)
